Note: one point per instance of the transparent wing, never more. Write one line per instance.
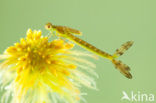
(66, 30)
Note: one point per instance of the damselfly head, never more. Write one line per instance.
(49, 26)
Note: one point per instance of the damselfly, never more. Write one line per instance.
(67, 33)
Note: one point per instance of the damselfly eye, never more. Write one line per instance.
(48, 26)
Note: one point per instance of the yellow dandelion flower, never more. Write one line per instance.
(37, 70)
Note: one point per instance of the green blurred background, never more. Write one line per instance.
(106, 24)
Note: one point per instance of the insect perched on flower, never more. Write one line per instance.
(37, 70)
(66, 32)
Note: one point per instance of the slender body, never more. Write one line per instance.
(66, 32)
(88, 46)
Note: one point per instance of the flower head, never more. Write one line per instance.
(37, 70)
